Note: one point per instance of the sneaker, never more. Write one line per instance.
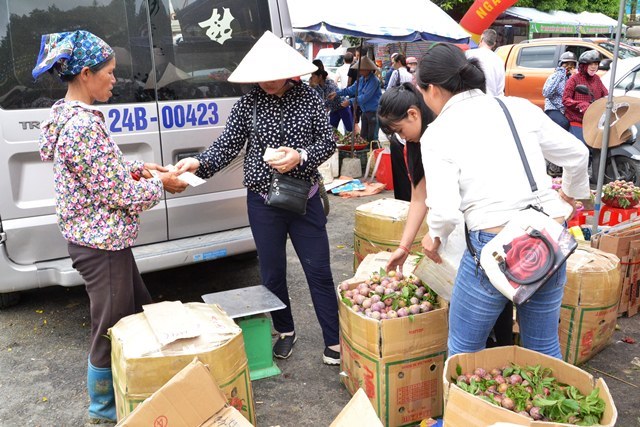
(330, 357)
(284, 346)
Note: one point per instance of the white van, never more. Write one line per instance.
(171, 101)
(332, 59)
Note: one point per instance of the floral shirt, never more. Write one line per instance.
(327, 89)
(97, 199)
(297, 119)
(553, 90)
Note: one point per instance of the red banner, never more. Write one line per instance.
(481, 15)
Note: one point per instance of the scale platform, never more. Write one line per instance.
(247, 306)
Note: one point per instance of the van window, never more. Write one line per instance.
(121, 23)
(199, 43)
(196, 45)
(537, 57)
(624, 51)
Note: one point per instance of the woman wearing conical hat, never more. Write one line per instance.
(285, 129)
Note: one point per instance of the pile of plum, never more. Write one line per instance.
(533, 392)
(389, 296)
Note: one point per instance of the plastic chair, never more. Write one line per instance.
(612, 216)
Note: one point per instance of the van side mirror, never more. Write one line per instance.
(605, 64)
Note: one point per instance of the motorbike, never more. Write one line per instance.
(623, 160)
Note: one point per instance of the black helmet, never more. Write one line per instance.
(589, 57)
(567, 57)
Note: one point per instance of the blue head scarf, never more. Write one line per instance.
(72, 51)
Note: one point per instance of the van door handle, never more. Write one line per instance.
(186, 154)
(518, 76)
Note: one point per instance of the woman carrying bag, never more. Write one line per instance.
(287, 135)
(472, 165)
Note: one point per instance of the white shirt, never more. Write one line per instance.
(472, 164)
(402, 74)
(342, 78)
(493, 68)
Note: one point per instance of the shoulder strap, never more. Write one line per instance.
(523, 156)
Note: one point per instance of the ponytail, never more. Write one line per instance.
(445, 65)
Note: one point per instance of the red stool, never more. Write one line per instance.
(580, 218)
(616, 215)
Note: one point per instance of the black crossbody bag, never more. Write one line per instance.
(285, 192)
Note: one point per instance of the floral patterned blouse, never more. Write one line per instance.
(97, 199)
(296, 120)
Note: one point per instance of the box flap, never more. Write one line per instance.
(190, 398)
(227, 417)
(372, 263)
(170, 321)
(137, 340)
(358, 413)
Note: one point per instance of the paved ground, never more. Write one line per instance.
(44, 340)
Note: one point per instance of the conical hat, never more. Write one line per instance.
(271, 59)
(367, 64)
(624, 113)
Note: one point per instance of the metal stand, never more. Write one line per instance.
(247, 306)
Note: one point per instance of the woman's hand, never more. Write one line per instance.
(152, 167)
(171, 183)
(331, 96)
(431, 247)
(290, 160)
(398, 257)
(188, 164)
(345, 103)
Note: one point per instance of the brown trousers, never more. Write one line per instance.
(115, 290)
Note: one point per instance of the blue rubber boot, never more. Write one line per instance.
(102, 407)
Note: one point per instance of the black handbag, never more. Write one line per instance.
(286, 192)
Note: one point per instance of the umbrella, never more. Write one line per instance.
(374, 19)
(607, 121)
(412, 20)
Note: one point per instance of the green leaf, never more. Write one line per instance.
(347, 302)
(382, 272)
(544, 402)
(458, 370)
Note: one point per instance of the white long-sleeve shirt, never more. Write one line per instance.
(472, 164)
(492, 67)
(399, 76)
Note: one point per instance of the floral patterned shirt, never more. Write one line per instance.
(97, 200)
(296, 120)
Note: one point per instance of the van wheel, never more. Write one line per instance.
(324, 197)
(9, 299)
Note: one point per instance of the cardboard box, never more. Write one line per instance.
(590, 304)
(190, 399)
(624, 241)
(398, 362)
(633, 279)
(465, 410)
(379, 226)
(141, 366)
(357, 413)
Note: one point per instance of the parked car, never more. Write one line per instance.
(627, 80)
(170, 103)
(529, 63)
